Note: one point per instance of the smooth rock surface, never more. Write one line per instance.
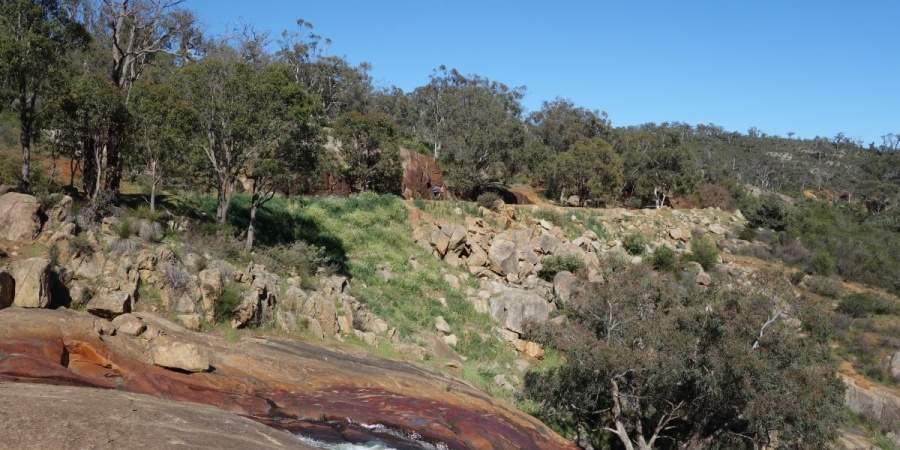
(38, 417)
(250, 376)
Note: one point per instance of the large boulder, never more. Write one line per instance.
(503, 257)
(895, 366)
(323, 311)
(19, 217)
(32, 282)
(212, 284)
(566, 286)
(180, 356)
(513, 307)
(110, 305)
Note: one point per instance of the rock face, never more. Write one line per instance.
(875, 402)
(177, 355)
(66, 417)
(19, 217)
(32, 282)
(420, 173)
(253, 378)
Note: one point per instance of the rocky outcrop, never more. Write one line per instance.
(514, 307)
(256, 377)
(420, 174)
(878, 403)
(19, 218)
(65, 417)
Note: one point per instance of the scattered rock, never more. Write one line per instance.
(452, 280)
(513, 307)
(110, 305)
(249, 311)
(441, 325)
(19, 219)
(286, 321)
(191, 321)
(503, 258)
(180, 356)
(895, 366)
(129, 325)
(383, 271)
(451, 340)
(565, 285)
(717, 229)
(703, 279)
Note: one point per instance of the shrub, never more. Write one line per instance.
(663, 258)
(863, 304)
(550, 215)
(824, 286)
(80, 245)
(229, 300)
(797, 277)
(124, 229)
(715, 196)
(635, 243)
(149, 230)
(822, 263)
(122, 246)
(705, 252)
(419, 203)
(551, 265)
(769, 212)
(490, 200)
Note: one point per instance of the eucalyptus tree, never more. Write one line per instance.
(35, 37)
(164, 128)
(370, 151)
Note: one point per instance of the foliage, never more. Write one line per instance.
(473, 124)
(663, 258)
(551, 265)
(590, 169)
(863, 304)
(489, 200)
(559, 124)
(826, 286)
(659, 165)
(229, 301)
(656, 363)
(768, 212)
(370, 151)
(34, 40)
(715, 196)
(635, 243)
(704, 251)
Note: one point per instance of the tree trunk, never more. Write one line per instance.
(225, 191)
(25, 139)
(153, 181)
(254, 206)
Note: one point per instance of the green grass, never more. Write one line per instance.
(359, 233)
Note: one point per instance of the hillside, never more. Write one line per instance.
(451, 285)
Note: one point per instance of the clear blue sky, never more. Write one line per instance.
(812, 67)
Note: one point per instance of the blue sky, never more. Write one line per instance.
(812, 67)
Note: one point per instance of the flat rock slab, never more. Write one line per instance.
(64, 417)
(253, 376)
(110, 304)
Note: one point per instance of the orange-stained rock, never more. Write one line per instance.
(420, 174)
(262, 378)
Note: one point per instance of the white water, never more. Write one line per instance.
(370, 445)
